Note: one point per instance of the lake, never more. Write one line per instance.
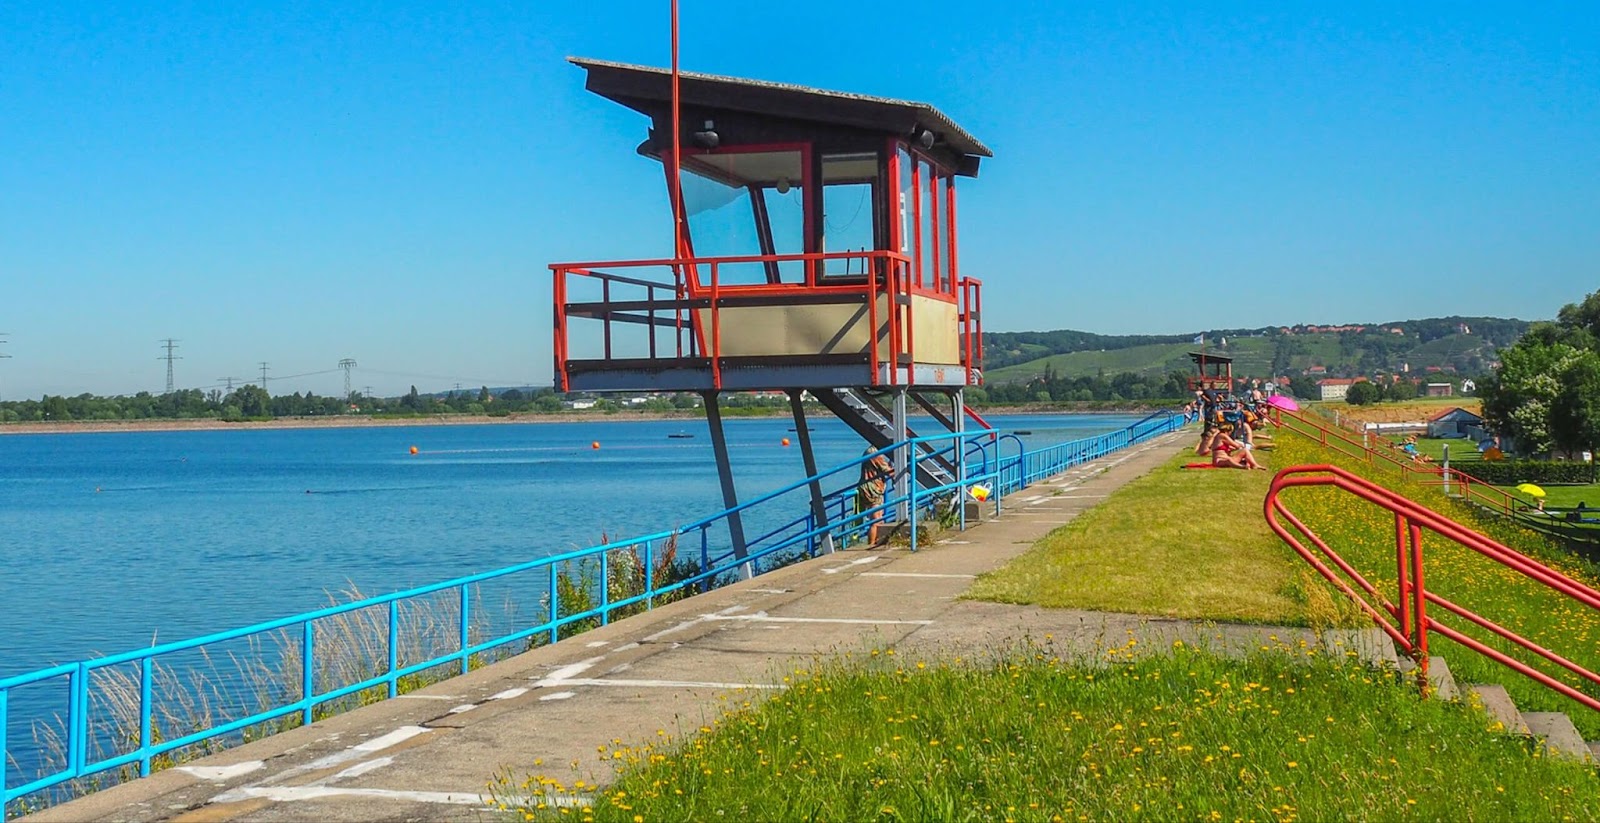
(114, 541)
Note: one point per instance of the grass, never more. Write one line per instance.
(1181, 735)
(1364, 535)
(1176, 543)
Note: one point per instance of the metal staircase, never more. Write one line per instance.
(869, 418)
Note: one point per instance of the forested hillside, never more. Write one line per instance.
(1465, 345)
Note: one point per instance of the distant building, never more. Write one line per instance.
(1439, 390)
(1335, 388)
(1454, 422)
(1317, 370)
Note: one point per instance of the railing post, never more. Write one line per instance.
(912, 479)
(466, 626)
(5, 695)
(1419, 599)
(78, 743)
(394, 647)
(146, 708)
(307, 671)
(649, 575)
(1403, 578)
(605, 588)
(555, 606)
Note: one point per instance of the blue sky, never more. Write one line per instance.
(302, 182)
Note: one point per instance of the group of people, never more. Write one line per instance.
(1230, 430)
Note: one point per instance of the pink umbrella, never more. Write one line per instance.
(1284, 402)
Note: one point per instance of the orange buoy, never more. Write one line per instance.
(785, 441)
(595, 445)
(413, 449)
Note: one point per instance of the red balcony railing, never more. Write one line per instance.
(680, 304)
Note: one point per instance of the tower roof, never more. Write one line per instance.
(644, 88)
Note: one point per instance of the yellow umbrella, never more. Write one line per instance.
(1530, 489)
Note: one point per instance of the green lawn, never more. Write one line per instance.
(1184, 735)
(1175, 543)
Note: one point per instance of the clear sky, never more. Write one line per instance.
(301, 182)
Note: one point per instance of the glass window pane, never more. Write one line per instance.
(848, 182)
(725, 219)
(930, 278)
(941, 195)
(907, 205)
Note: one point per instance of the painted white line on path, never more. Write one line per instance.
(222, 772)
(466, 708)
(357, 770)
(771, 591)
(285, 794)
(917, 574)
(573, 670)
(666, 684)
(396, 737)
(559, 696)
(860, 561)
(509, 693)
(763, 617)
(427, 697)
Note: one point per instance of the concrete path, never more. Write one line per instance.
(429, 755)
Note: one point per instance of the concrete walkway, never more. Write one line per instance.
(429, 755)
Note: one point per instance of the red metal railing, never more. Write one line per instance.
(1379, 451)
(697, 284)
(1410, 607)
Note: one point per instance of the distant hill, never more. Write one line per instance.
(1466, 345)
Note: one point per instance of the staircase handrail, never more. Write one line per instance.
(1481, 491)
(1413, 596)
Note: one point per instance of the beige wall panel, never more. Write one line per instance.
(768, 331)
(938, 338)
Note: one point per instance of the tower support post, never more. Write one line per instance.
(819, 511)
(730, 497)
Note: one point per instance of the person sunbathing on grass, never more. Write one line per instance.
(1227, 452)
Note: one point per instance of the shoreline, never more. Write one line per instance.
(357, 421)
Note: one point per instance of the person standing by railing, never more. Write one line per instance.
(875, 474)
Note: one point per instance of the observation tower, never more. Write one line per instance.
(816, 254)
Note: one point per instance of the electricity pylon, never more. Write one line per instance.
(169, 344)
(347, 364)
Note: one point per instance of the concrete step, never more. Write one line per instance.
(1371, 646)
(1557, 736)
(1594, 750)
(1498, 705)
(1441, 681)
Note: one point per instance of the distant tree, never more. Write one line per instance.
(1361, 394)
(483, 395)
(252, 400)
(1401, 390)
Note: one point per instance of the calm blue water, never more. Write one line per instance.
(113, 540)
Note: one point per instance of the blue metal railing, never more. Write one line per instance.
(996, 460)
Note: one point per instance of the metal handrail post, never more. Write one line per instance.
(146, 709)
(394, 647)
(307, 670)
(466, 627)
(555, 607)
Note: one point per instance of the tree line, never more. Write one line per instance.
(252, 402)
(1546, 393)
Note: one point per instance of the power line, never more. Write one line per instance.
(229, 382)
(169, 344)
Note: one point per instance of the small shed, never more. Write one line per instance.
(1453, 422)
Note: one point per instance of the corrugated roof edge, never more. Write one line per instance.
(943, 121)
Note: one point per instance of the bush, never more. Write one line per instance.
(1512, 472)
